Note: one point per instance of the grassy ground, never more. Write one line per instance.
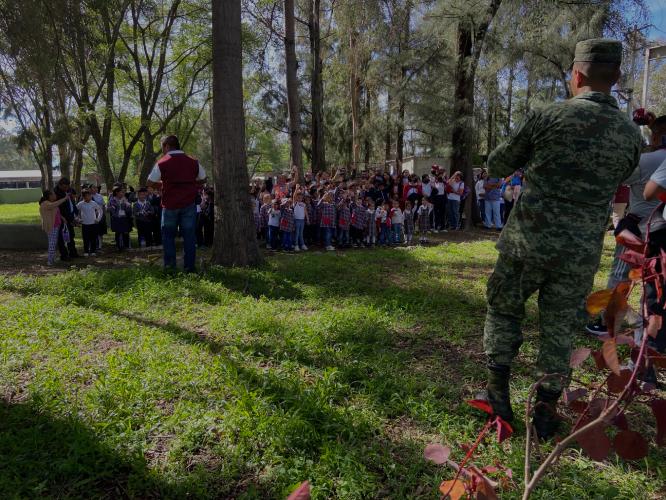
(337, 368)
(23, 213)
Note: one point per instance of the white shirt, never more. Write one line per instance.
(299, 211)
(397, 217)
(274, 217)
(456, 187)
(156, 174)
(426, 189)
(89, 212)
(480, 189)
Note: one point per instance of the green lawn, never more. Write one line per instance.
(23, 213)
(240, 384)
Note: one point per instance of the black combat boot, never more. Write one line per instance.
(498, 390)
(546, 421)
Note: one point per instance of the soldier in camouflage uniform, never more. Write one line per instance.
(576, 152)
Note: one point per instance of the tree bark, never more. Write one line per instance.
(509, 99)
(293, 103)
(317, 90)
(235, 234)
(387, 138)
(367, 145)
(355, 95)
(402, 104)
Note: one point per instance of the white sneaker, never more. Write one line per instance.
(268, 247)
(330, 248)
(296, 249)
(304, 248)
(86, 255)
(93, 255)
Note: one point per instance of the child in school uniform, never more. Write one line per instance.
(397, 220)
(121, 218)
(101, 225)
(90, 213)
(359, 221)
(263, 216)
(371, 227)
(287, 224)
(310, 222)
(383, 222)
(424, 219)
(344, 221)
(326, 210)
(274, 215)
(300, 220)
(144, 214)
(408, 215)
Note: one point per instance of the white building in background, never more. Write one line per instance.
(23, 179)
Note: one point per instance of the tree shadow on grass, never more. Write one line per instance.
(42, 455)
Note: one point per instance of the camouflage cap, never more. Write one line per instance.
(599, 50)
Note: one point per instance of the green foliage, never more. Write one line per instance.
(239, 383)
(21, 213)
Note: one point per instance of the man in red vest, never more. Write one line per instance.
(179, 176)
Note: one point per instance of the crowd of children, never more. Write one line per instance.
(383, 209)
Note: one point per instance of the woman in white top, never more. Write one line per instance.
(481, 194)
(455, 189)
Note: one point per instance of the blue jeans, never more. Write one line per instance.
(493, 215)
(299, 224)
(186, 220)
(384, 234)
(343, 236)
(396, 229)
(286, 241)
(327, 233)
(482, 210)
(453, 210)
(272, 238)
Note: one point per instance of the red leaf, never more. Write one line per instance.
(578, 406)
(482, 405)
(484, 491)
(634, 259)
(504, 430)
(579, 356)
(437, 453)
(630, 445)
(571, 396)
(609, 351)
(620, 421)
(617, 383)
(455, 489)
(659, 412)
(595, 442)
(654, 325)
(629, 240)
(301, 493)
(662, 258)
(599, 360)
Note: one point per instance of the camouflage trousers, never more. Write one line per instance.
(561, 313)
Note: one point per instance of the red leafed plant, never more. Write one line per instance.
(597, 408)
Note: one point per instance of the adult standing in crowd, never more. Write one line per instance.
(553, 241)
(179, 176)
(66, 244)
(480, 191)
(439, 202)
(493, 195)
(455, 190)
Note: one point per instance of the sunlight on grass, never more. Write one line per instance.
(242, 383)
(22, 213)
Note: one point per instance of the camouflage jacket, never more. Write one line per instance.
(575, 154)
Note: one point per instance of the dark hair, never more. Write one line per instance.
(143, 190)
(45, 196)
(64, 180)
(85, 192)
(599, 73)
(117, 190)
(171, 141)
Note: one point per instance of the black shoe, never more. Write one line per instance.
(597, 328)
(546, 420)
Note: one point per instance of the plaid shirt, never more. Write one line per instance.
(312, 213)
(424, 219)
(327, 214)
(287, 220)
(359, 217)
(263, 215)
(344, 216)
(409, 221)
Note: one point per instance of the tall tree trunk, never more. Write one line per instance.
(403, 45)
(148, 156)
(509, 99)
(355, 95)
(367, 146)
(387, 137)
(235, 235)
(292, 89)
(469, 50)
(317, 90)
(78, 166)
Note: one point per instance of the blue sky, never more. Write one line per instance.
(658, 18)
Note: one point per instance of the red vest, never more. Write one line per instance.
(179, 180)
